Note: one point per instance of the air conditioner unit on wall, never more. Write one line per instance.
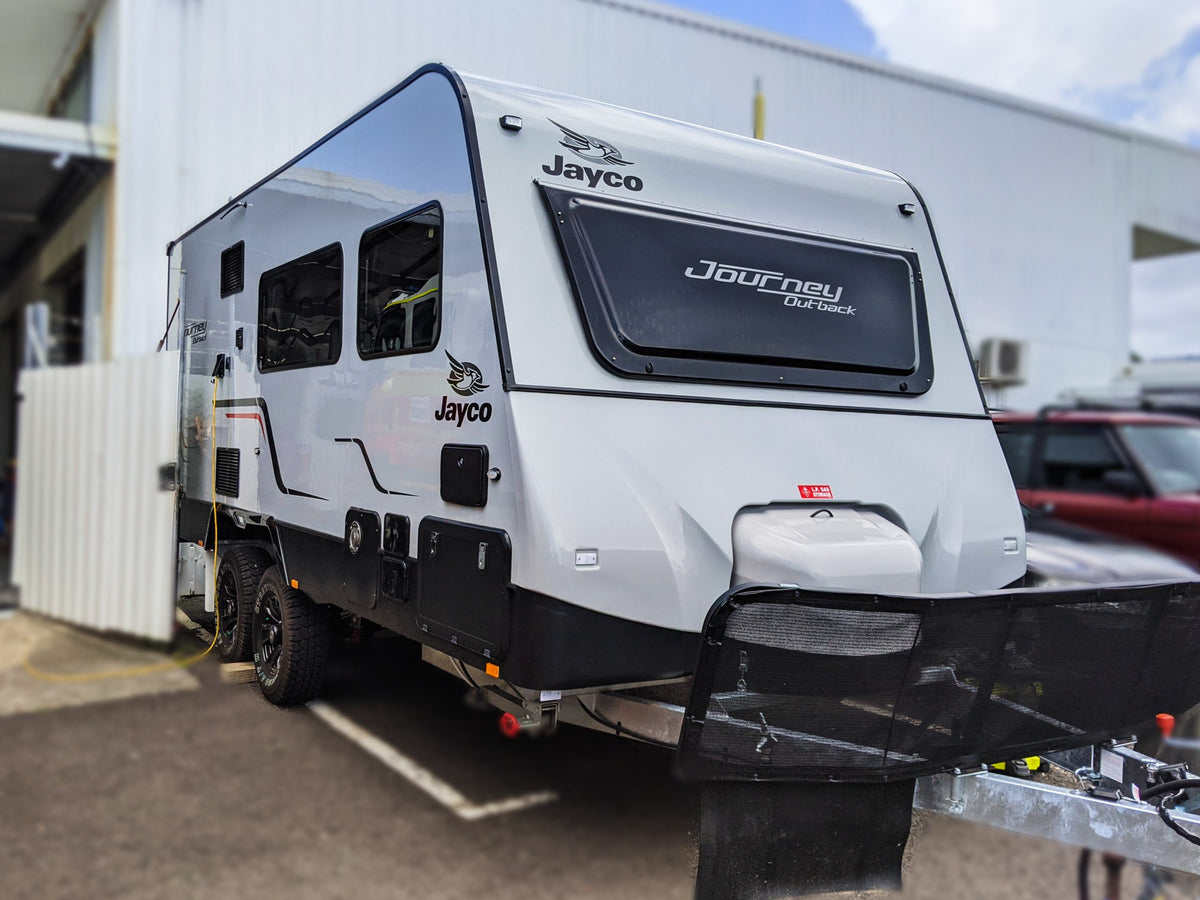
(1002, 362)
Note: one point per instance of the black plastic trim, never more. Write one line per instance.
(730, 401)
(193, 520)
(561, 646)
(261, 405)
(620, 358)
(485, 222)
(370, 468)
(937, 249)
(551, 644)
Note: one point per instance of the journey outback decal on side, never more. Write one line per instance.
(466, 379)
(799, 293)
(594, 150)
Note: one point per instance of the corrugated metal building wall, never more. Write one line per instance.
(1034, 209)
(94, 540)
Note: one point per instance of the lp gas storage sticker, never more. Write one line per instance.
(815, 491)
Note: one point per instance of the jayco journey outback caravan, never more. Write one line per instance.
(642, 427)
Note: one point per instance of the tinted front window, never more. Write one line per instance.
(1170, 454)
(671, 293)
(1017, 444)
(1075, 459)
(300, 311)
(399, 285)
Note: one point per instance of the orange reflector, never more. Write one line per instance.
(492, 669)
(295, 583)
(201, 543)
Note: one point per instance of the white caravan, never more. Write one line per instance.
(535, 380)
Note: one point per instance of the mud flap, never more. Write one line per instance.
(819, 686)
(760, 841)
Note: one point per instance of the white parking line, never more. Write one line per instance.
(421, 777)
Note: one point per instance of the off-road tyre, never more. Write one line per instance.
(238, 576)
(291, 641)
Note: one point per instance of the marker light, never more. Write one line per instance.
(511, 123)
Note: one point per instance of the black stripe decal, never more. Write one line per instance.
(261, 404)
(371, 469)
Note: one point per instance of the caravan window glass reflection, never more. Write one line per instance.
(399, 285)
(300, 311)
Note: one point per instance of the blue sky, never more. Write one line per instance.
(829, 22)
(1132, 64)
(1135, 64)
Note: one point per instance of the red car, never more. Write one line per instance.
(1131, 474)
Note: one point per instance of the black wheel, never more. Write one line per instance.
(291, 641)
(238, 576)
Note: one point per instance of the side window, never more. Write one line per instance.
(1076, 459)
(1017, 443)
(300, 311)
(399, 285)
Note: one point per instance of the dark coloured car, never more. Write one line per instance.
(1129, 474)
(1061, 555)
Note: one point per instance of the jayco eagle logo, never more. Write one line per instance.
(589, 147)
(594, 150)
(466, 379)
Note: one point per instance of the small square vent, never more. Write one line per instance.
(233, 269)
(229, 464)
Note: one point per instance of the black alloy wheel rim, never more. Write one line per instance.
(268, 632)
(227, 606)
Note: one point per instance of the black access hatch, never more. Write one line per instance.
(463, 594)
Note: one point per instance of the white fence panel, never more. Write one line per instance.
(94, 531)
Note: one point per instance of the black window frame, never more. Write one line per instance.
(285, 367)
(360, 285)
(611, 352)
(1032, 463)
(1111, 437)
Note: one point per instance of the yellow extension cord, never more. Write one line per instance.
(154, 668)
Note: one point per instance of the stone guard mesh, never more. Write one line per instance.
(809, 685)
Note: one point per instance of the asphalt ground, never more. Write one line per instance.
(213, 792)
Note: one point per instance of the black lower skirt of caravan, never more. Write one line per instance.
(808, 704)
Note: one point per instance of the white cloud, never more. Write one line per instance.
(1137, 64)
(1173, 109)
